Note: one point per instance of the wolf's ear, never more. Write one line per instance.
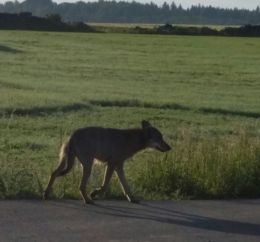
(146, 124)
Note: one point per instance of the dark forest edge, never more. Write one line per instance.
(53, 22)
(168, 29)
(243, 31)
(133, 12)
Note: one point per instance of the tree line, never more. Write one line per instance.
(134, 12)
(52, 22)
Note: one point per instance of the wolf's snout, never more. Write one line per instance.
(167, 148)
(164, 147)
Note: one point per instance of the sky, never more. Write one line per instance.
(249, 4)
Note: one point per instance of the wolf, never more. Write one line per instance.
(109, 145)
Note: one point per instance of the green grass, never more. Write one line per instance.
(202, 92)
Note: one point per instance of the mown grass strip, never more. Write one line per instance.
(47, 110)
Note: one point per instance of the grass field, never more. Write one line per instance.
(202, 92)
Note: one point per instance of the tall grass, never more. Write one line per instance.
(202, 166)
(199, 166)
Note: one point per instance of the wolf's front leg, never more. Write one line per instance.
(121, 175)
(107, 176)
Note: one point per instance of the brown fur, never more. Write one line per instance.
(112, 146)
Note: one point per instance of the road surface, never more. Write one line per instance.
(70, 220)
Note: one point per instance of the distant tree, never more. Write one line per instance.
(173, 6)
(180, 7)
(9, 7)
(165, 7)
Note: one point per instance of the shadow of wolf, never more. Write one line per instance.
(112, 146)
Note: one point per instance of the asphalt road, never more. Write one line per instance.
(69, 220)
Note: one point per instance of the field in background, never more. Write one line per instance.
(202, 92)
(127, 27)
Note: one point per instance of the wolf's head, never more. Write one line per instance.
(154, 137)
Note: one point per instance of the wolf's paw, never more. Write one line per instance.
(45, 195)
(133, 199)
(88, 201)
(96, 192)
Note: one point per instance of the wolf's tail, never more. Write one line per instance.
(67, 157)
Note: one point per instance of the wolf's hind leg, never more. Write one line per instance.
(107, 176)
(87, 167)
(57, 172)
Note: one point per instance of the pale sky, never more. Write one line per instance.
(249, 4)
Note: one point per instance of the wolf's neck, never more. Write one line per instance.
(137, 141)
